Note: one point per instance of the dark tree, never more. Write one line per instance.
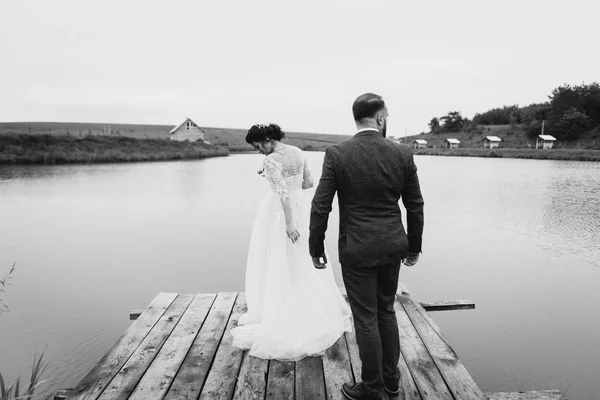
(434, 124)
(452, 122)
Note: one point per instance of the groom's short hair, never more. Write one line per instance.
(366, 106)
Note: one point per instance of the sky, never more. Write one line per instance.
(300, 64)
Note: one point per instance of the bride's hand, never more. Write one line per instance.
(292, 233)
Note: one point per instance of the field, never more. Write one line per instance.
(512, 137)
(231, 138)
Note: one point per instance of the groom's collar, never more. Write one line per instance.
(367, 131)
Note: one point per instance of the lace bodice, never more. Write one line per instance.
(285, 171)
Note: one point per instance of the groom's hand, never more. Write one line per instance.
(320, 262)
(411, 259)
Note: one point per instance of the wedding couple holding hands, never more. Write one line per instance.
(295, 308)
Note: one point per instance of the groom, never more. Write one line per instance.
(370, 174)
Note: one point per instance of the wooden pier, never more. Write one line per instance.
(179, 347)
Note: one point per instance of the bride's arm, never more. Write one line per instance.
(273, 172)
(307, 179)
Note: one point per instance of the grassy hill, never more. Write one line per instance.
(231, 138)
(515, 144)
(512, 137)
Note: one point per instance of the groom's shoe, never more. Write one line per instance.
(392, 387)
(392, 391)
(359, 392)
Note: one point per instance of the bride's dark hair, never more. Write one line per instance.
(261, 133)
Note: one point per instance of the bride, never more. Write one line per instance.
(294, 310)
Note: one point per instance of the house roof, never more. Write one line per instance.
(420, 141)
(453, 141)
(547, 137)
(183, 123)
(493, 138)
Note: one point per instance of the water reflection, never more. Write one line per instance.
(572, 213)
(519, 237)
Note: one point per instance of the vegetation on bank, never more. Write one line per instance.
(512, 136)
(537, 154)
(229, 138)
(65, 149)
(571, 114)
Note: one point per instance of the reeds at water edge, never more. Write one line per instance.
(13, 390)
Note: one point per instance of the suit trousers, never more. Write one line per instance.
(371, 294)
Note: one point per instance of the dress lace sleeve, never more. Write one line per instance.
(274, 174)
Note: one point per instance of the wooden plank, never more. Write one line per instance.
(310, 380)
(404, 292)
(457, 378)
(99, 377)
(280, 380)
(221, 380)
(252, 379)
(425, 374)
(191, 376)
(354, 355)
(159, 376)
(406, 383)
(128, 376)
(62, 394)
(529, 395)
(448, 305)
(337, 369)
(352, 345)
(135, 314)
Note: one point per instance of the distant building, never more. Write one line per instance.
(491, 142)
(545, 141)
(187, 130)
(419, 144)
(451, 143)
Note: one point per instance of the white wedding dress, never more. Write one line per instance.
(294, 309)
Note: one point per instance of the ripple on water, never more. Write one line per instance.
(519, 237)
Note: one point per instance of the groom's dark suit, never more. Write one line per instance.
(370, 174)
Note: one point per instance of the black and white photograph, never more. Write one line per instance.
(299, 200)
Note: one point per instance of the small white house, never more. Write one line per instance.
(419, 144)
(491, 142)
(187, 130)
(451, 143)
(545, 141)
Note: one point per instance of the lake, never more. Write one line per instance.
(521, 238)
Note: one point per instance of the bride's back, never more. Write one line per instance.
(290, 159)
(286, 170)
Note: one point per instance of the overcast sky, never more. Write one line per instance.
(300, 64)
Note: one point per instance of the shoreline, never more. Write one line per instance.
(532, 154)
(24, 149)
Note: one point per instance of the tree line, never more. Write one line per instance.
(569, 112)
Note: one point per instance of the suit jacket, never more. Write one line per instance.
(370, 174)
